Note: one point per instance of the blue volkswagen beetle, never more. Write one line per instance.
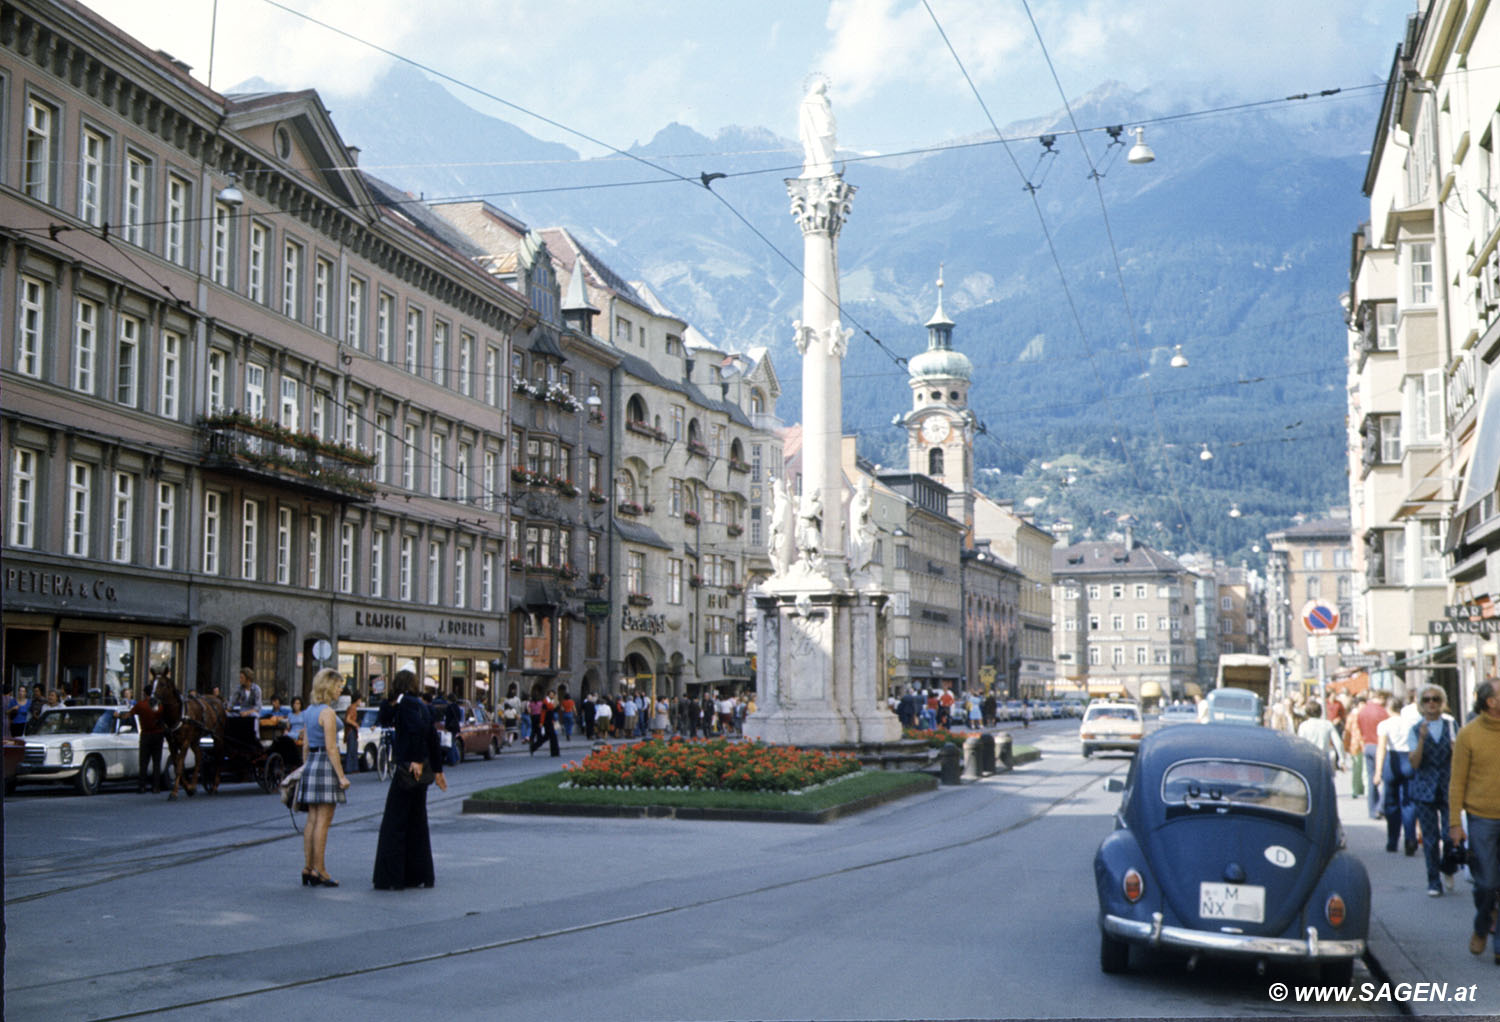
(1227, 843)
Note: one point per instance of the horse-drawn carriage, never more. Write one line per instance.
(203, 738)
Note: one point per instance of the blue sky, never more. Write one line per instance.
(621, 70)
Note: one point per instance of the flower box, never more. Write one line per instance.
(516, 564)
(738, 466)
(691, 517)
(627, 507)
(596, 417)
(644, 429)
(638, 600)
(597, 579)
(564, 487)
(694, 447)
(734, 588)
(597, 497)
(735, 530)
(567, 571)
(695, 581)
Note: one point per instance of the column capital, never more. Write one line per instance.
(820, 204)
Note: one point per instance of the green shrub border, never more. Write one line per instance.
(857, 792)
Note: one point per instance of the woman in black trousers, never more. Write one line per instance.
(403, 857)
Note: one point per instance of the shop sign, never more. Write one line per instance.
(651, 624)
(56, 583)
(380, 619)
(1467, 611)
(735, 667)
(596, 608)
(1488, 626)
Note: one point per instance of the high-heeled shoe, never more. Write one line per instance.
(310, 879)
(319, 878)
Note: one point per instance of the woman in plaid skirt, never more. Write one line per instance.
(323, 780)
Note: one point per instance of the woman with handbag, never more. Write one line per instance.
(403, 856)
(323, 781)
(1431, 743)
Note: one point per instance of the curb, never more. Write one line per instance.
(661, 812)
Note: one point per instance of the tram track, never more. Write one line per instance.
(226, 963)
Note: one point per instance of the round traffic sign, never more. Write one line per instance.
(1319, 618)
(322, 649)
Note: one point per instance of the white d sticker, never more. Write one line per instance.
(1279, 856)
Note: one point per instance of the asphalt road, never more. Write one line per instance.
(971, 902)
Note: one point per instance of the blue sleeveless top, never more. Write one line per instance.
(310, 724)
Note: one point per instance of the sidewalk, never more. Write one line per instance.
(1416, 938)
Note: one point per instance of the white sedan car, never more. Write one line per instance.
(81, 745)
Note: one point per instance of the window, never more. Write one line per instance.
(1140, 592)
(487, 581)
(31, 330)
(1314, 587)
(1093, 592)
(408, 458)
(171, 368)
(674, 498)
(93, 156)
(219, 270)
(1419, 272)
(1390, 439)
(595, 473)
(1093, 622)
(635, 573)
(460, 578)
(678, 418)
(385, 311)
(1117, 591)
(461, 473)
(216, 360)
(382, 437)
(136, 209)
(1117, 622)
(1117, 656)
(1312, 560)
(489, 495)
(85, 344)
(1141, 654)
(290, 413)
(40, 150)
(166, 524)
(212, 521)
(322, 293)
(260, 243)
(22, 497)
(178, 192)
(379, 539)
(346, 557)
(127, 352)
(674, 580)
(283, 546)
(1094, 656)
(249, 539)
(1385, 326)
(355, 314)
(1424, 404)
(465, 364)
(315, 551)
(440, 353)
(122, 518)
(1158, 656)
(1226, 603)
(434, 572)
(405, 568)
(1140, 623)
(317, 417)
(492, 389)
(291, 281)
(755, 463)
(413, 355)
(435, 472)
(352, 425)
(1430, 536)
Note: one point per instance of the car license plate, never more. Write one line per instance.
(1240, 902)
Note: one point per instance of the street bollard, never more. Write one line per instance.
(1006, 753)
(986, 754)
(948, 764)
(971, 758)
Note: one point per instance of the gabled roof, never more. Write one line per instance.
(641, 369)
(566, 249)
(1322, 528)
(419, 217)
(1111, 558)
(318, 150)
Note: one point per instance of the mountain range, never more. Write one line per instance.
(1071, 280)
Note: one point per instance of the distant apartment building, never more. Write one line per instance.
(1310, 564)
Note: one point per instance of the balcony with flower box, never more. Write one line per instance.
(735, 529)
(565, 487)
(267, 451)
(697, 447)
(734, 589)
(597, 497)
(645, 429)
(691, 518)
(736, 465)
(627, 507)
(638, 600)
(696, 581)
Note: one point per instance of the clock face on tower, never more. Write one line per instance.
(935, 430)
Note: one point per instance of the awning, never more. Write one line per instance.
(539, 594)
(1191, 688)
(1484, 460)
(1150, 690)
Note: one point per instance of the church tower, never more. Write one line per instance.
(940, 427)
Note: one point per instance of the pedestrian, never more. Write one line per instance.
(351, 734)
(1321, 735)
(294, 720)
(987, 709)
(246, 699)
(536, 710)
(628, 717)
(1474, 798)
(694, 713)
(603, 717)
(453, 723)
(1367, 720)
(1431, 744)
(1393, 766)
(323, 781)
(1354, 746)
(1026, 713)
(152, 734)
(403, 853)
(567, 712)
(586, 715)
(549, 722)
(510, 711)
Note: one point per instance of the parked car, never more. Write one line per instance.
(367, 737)
(1227, 843)
(1232, 706)
(15, 751)
(480, 733)
(81, 745)
(1179, 713)
(1110, 725)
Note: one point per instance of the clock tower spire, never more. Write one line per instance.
(940, 427)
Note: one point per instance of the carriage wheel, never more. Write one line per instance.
(272, 772)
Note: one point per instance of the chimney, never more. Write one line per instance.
(1129, 537)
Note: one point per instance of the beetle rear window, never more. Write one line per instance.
(1225, 782)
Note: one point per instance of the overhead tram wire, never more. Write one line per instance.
(1031, 190)
(1114, 252)
(701, 182)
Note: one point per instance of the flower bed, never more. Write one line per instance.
(716, 765)
(939, 738)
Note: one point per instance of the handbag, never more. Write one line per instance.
(407, 781)
(288, 790)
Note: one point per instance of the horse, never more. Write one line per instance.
(186, 724)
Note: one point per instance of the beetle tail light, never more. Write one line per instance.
(1133, 885)
(1334, 910)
